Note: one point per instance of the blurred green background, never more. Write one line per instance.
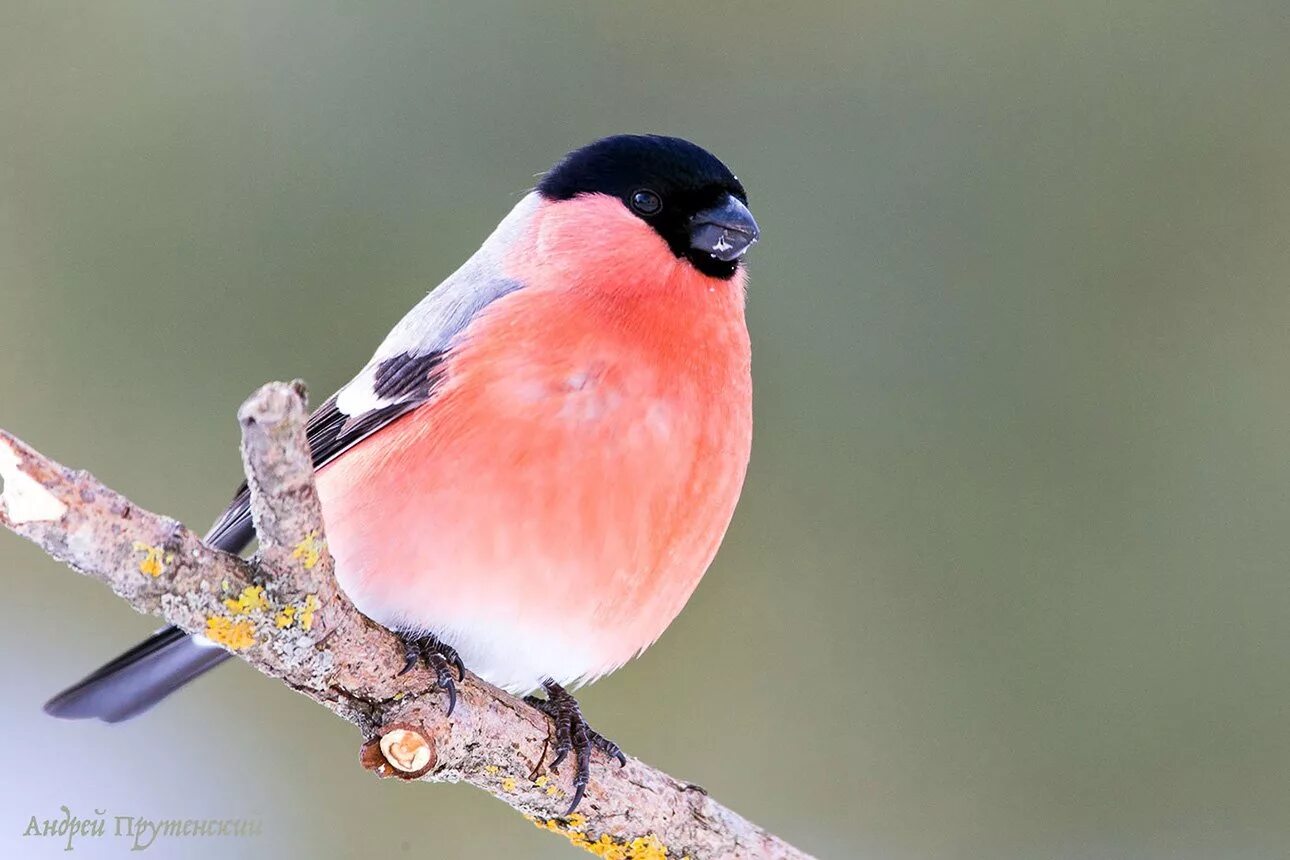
(1009, 577)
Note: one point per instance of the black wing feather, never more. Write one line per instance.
(407, 376)
(330, 432)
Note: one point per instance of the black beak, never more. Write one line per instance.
(725, 231)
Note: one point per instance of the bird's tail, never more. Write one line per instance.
(138, 679)
(160, 664)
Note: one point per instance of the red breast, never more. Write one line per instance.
(553, 506)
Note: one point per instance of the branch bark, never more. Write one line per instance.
(283, 613)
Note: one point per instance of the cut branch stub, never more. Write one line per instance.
(401, 750)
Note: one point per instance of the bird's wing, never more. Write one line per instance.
(402, 374)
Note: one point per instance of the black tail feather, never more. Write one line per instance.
(164, 662)
(138, 679)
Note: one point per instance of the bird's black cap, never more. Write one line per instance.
(668, 182)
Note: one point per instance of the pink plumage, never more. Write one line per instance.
(538, 463)
(552, 507)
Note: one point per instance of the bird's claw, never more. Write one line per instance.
(571, 734)
(439, 658)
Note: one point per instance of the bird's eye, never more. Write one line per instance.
(646, 202)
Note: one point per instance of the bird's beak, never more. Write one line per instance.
(725, 231)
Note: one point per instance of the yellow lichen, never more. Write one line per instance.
(285, 617)
(552, 790)
(508, 785)
(309, 550)
(250, 600)
(307, 610)
(152, 563)
(490, 768)
(647, 847)
(229, 633)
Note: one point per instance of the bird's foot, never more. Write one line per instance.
(572, 734)
(439, 658)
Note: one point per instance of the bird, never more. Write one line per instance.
(538, 463)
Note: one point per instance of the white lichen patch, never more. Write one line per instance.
(24, 500)
(296, 649)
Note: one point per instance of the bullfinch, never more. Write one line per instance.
(535, 468)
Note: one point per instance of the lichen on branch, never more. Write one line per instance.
(283, 613)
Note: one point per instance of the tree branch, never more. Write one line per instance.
(283, 613)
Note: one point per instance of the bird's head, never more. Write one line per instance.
(681, 191)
